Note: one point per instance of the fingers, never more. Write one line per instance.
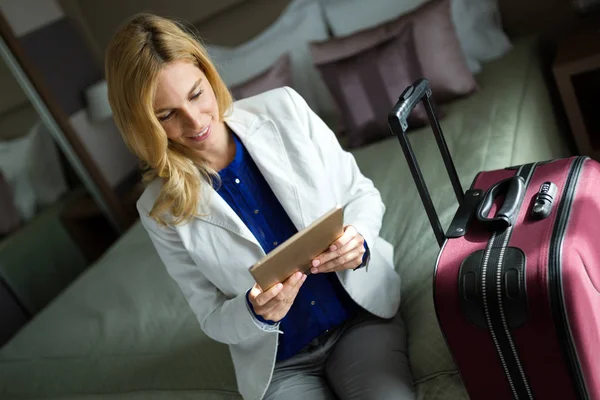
(261, 298)
(275, 303)
(349, 260)
(349, 233)
(291, 286)
(346, 249)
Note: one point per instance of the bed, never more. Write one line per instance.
(124, 331)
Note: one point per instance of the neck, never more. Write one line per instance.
(224, 154)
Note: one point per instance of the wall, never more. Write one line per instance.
(213, 20)
(57, 50)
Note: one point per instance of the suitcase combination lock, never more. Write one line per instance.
(544, 200)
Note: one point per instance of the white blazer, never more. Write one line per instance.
(309, 173)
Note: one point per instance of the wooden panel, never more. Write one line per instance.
(66, 81)
(249, 19)
(11, 94)
(547, 17)
(104, 17)
(232, 23)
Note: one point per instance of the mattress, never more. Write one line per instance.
(123, 330)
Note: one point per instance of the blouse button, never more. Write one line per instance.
(237, 180)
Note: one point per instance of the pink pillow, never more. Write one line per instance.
(365, 74)
(441, 57)
(277, 75)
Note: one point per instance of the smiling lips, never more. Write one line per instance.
(202, 135)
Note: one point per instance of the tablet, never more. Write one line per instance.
(297, 253)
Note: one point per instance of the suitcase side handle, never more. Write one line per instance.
(397, 121)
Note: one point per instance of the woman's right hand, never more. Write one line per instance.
(275, 303)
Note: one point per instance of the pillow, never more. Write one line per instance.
(31, 166)
(437, 48)
(365, 74)
(439, 51)
(300, 23)
(477, 23)
(479, 29)
(278, 75)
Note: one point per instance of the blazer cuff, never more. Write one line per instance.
(366, 256)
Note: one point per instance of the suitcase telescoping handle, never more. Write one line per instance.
(397, 121)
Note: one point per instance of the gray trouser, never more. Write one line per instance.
(364, 359)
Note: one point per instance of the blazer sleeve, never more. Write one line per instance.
(363, 206)
(226, 320)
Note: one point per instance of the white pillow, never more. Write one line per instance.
(14, 158)
(479, 29)
(349, 16)
(31, 166)
(300, 23)
(476, 21)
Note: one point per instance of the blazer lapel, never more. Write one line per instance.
(269, 155)
(219, 213)
(268, 152)
(263, 141)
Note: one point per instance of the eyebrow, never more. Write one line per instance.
(189, 94)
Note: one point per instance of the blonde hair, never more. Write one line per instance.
(134, 58)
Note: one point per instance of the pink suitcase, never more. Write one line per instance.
(517, 280)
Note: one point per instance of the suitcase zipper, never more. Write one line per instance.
(488, 317)
(491, 283)
(555, 279)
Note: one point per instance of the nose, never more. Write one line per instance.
(192, 120)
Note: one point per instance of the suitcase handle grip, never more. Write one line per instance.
(409, 99)
(514, 190)
(397, 121)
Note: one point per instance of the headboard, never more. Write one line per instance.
(17, 115)
(546, 17)
(214, 20)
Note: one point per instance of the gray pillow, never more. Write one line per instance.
(365, 74)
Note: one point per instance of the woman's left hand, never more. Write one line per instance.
(345, 253)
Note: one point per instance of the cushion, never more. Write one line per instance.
(479, 29)
(439, 51)
(300, 23)
(278, 75)
(31, 165)
(477, 23)
(365, 74)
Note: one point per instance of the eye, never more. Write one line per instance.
(166, 117)
(195, 96)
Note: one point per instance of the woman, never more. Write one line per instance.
(228, 183)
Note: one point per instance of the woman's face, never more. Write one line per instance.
(186, 107)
